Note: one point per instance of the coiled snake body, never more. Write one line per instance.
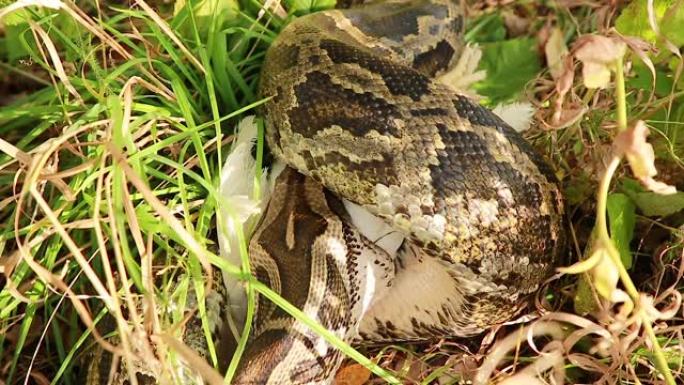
(406, 211)
(470, 213)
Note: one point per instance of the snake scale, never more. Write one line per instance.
(404, 211)
(470, 215)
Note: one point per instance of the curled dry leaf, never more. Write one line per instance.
(599, 49)
(639, 153)
(598, 55)
(669, 312)
(563, 86)
(500, 353)
(595, 75)
(239, 207)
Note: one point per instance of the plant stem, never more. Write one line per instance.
(604, 237)
(620, 95)
(602, 198)
(630, 288)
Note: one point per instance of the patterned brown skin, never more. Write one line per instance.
(357, 114)
(292, 252)
(357, 110)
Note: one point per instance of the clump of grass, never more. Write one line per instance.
(134, 116)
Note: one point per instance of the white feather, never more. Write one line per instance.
(239, 208)
(517, 115)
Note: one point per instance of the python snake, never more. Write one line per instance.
(404, 211)
(364, 127)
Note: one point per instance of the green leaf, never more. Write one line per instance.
(669, 15)
(486, 29)
(15, 17)
(579, 189)
(206, 14)
(13, 43)
(643, 80)
(672, 22)
(510, 65)
(13, 24)
(585, 300)
(307, 6)
(650, 203)
(622, 218)
(634, 18)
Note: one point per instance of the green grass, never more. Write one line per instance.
(110, 157)
(150, 96)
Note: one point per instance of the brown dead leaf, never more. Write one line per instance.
(353, 374)
(599, 49)
(39, 378)
(515, 25)
(598, 55)
(567, 116)
(555, 51)
(563, 86)
(639, 153)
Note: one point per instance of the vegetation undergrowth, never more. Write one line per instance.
(115, 122)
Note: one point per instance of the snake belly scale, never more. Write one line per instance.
(364, 126)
